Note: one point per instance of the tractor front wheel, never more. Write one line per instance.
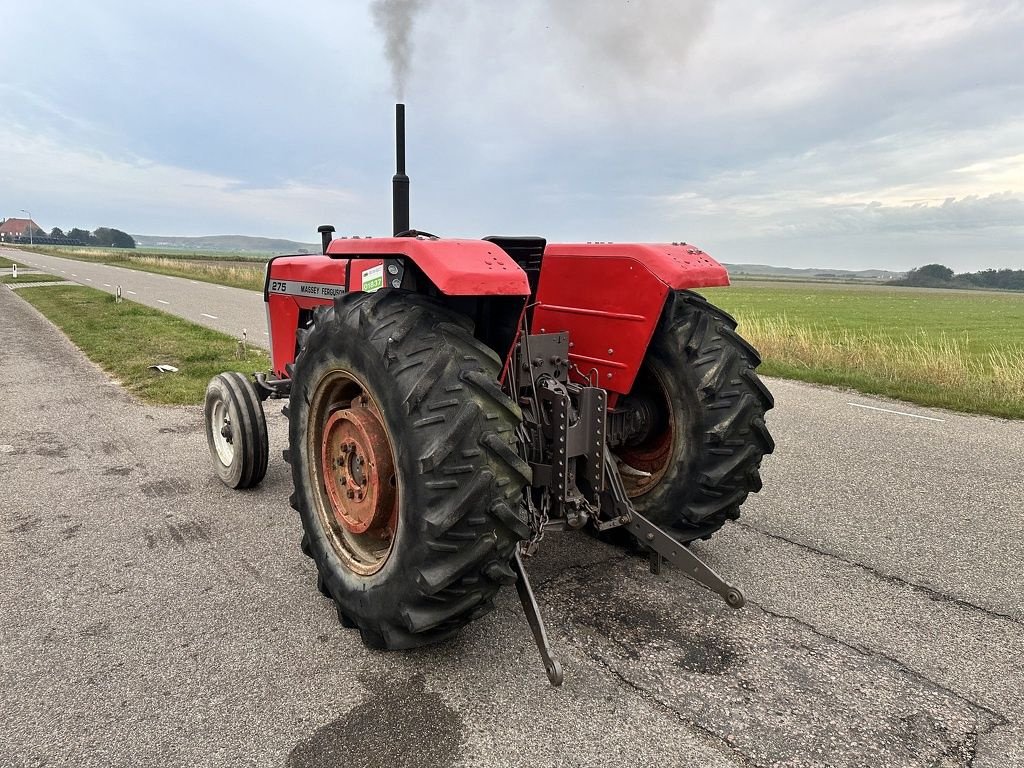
(236, 430)
(404, 466)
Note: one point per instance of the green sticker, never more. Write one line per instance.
(373, 279)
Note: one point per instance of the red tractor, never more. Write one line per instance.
(451, 400)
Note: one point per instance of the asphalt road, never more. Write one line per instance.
(230, 310)
(150, 616)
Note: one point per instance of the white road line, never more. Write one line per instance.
(108, 285)
(163, 302)
(131, 292)
(88, 279)
(212, 317)
(898, 413)
(73, 274)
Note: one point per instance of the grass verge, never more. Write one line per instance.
(34, 278)
(209, 268)
(234, 276)
(5, 262)
(962, 350)
(126, 338)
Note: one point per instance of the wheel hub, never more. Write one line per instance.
(223, 435)
(644, 461)
(358, 471)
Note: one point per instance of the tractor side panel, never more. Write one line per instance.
(609, 298)
(296, 283)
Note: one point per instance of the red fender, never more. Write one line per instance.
(456, 267)
(609, 297)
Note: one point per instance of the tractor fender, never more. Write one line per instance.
(456, 267)
(678, 265)
(609, 297)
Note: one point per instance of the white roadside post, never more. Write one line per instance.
(14, 270)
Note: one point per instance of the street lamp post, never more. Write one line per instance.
(29, 226)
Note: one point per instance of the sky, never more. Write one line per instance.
(794, 133)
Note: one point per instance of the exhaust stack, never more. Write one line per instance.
(400, 182)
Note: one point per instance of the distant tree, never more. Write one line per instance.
(1003, 279)
(56, 232)
(930, 276)
(81, 235)
(113, 238)
(938, 276)
(932, 272)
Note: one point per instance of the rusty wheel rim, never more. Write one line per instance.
(353, 472)
(643, 466)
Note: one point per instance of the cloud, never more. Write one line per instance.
(1002, 211)
(830, 132)
(65, 186)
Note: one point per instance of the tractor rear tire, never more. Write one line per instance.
(236, 430)
(396, 404)
(705, 456)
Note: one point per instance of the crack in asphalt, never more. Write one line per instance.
(934, 594)
(539, 585)
(649, 697)
(876, 654)
(862, 650)
(970, 743)
(642, 692)
(972, 748)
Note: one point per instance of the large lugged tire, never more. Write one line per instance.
(703, 458)
(236, 430)
(405, 468)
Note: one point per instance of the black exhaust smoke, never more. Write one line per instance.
(400, 182)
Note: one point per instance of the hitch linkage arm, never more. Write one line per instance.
(536, 622)
(664, 546)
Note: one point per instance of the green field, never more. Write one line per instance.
(962, 350)
(126, 338)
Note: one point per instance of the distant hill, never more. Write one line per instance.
(243, 243)
(270, 245)
(764, 270)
